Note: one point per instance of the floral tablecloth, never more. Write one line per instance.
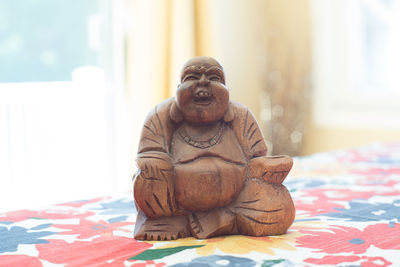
(347, 214)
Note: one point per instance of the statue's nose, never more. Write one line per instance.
(204, 80)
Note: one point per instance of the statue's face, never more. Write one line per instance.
(202, 96)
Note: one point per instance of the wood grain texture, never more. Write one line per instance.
(203, 169)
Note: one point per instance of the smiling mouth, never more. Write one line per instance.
(203, 98)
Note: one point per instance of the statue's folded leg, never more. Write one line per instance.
(263, 209)
(219, 221)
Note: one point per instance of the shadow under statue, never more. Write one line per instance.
(203, 169)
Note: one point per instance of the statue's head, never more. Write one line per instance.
(202, 96)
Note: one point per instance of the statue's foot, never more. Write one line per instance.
(219, 221)
(165, 228)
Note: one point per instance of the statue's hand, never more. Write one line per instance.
(154, 188)
(154, 166)
(270, 169)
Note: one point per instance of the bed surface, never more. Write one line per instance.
(347, 213)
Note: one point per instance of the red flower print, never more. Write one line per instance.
(19, 260)
(103, 251)
(374, 262)
(335, 240)
(87, 229)
(332, 260)
(22, 215)
(348, 239)
(388, 237)
(327, 200)
(364, 261)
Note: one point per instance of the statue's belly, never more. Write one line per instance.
(207, 183)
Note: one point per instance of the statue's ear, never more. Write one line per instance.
(229, 114)
(175, 114)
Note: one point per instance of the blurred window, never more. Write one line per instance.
(45, 40)
(375, 34)
(355, 63)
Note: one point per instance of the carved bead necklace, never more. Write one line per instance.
(206, 143)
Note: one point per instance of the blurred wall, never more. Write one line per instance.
(262, 45)
(321, 139)
(265, 48)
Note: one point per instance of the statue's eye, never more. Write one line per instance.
(214, 78)
(190, 78)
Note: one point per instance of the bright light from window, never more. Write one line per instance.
(58, 102)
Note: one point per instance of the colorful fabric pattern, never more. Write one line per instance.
(347, 214)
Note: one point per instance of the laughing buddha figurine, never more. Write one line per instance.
(202, 166)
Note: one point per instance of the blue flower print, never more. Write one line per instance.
(364, 212)
(120, 206)
(11, 238)
(217, 260)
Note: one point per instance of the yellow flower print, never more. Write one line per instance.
(239, 244)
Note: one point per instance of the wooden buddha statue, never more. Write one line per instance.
(203, 169)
